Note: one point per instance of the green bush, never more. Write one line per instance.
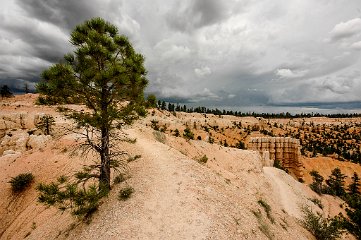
(46, 124)
(203, 159)
(125, 193)
(317, 183)
(159, 136)
(263, 226)
(278, 164)
(322, 228)
(317, 202)
(353, 222)
(21, 182)
(82, 201)
(240, 145)
(154, 124)
(188, 134)
(176, 133)
(119, 179)
(267, 209)
(133, 158)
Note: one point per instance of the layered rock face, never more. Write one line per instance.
(284, 149)
(18, 133)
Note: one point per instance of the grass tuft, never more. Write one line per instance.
(21, 182)
(125, 193)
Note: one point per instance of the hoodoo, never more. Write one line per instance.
(283, 149)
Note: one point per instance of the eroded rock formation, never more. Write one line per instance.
(18, 133)
(284, 149)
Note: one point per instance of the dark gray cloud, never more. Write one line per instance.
(64, 13)
(42, 42)
(209, 52)
(196, 14)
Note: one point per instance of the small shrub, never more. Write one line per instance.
(163, 129)
(258, 214)
(278, 164)
(154, 125)
(33, 226)
(176, 132)
(317, 202)
(21, 182)
(263, 225)
(266, 230)
(125, 193)
(65, 195)
(119, 179)
(48, 100)
(31, 131)
(321, 228)
(159, 136)
(188, 134)
(46, 124)
(267, 209)
(203, 159)
(131, 159)
(240, 145)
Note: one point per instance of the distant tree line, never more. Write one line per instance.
(343, 140)
(172, 107)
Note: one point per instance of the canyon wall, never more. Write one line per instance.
(284, 149)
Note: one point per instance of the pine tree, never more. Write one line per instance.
(108, 76)
(316, 185)
(355, 184)
(336, 183)
(164, 106)
(5, 92)
(26, 88)
(45, 124)
(151, 101)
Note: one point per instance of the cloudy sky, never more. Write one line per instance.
(213, 52)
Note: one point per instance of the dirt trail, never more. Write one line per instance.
(290, 193)
(165, 204)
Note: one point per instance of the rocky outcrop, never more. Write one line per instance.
(16, 120)
(20, 141)
(14, 140)
(23, 121)
(38, 141)
(18, 132)
(284, 149)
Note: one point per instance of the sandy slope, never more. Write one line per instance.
(178, 198)
(175, 196)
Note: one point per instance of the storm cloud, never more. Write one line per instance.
(217, 53)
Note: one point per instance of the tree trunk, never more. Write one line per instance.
(104, 179)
